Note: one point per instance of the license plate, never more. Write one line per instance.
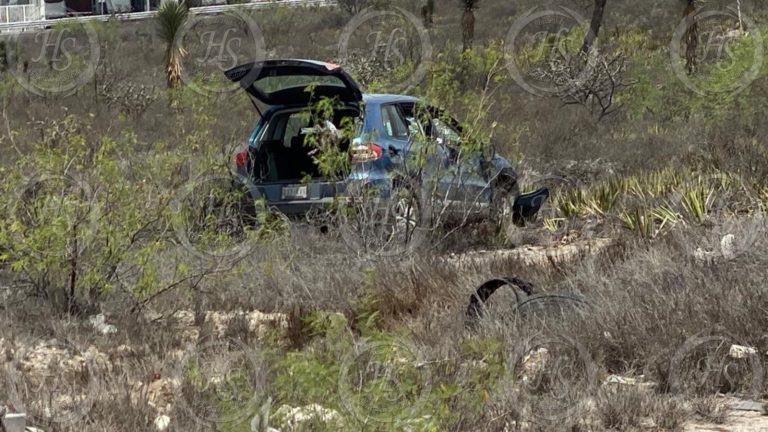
(295, 192)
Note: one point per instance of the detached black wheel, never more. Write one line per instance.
(548, 305)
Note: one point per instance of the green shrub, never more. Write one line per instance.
(88, 215)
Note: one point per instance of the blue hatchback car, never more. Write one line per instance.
(278, 167)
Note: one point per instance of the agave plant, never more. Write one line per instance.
(666, 215)
(697, 201)
(571, 202)
(171, 17)
(639, 220)
(605, 196)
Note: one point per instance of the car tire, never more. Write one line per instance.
(551, 305)
(392, 226)
(406, 214)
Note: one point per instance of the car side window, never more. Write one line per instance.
(415, 129)
(393, 123)
(293, 127)
(445, 133)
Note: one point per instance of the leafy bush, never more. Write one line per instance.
(90, 215)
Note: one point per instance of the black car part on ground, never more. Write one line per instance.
(534, 303)
(483, 293)
(528, 205)
(549, 304)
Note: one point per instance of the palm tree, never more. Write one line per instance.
(171, 17)
(468, 22)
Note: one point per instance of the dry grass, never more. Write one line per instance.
(656, 309)
(711, 409)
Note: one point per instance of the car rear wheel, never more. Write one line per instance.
(384, 226)
(404, 219)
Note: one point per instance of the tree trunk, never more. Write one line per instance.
(468, 28)
(691, 36)
(594, 26)
(427, 11)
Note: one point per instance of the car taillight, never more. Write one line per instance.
(241, 159)
(366, 152)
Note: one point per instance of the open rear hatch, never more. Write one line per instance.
(285, 83)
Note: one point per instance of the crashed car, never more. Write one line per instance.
(278, 167)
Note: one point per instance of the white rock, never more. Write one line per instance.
(727, 246)
(741, 352)
(15, 422)
(618, 379)
(533, 364)
(256, 425)
(292, 418)
(99, 322)
(162, 422)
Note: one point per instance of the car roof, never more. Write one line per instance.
(375, 98)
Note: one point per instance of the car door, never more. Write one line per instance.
(428, 159)
(281, 83)
(459, 176)
(278, 89)
(470, 187)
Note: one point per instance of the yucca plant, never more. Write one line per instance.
(641, 221)
(171, 17)
(637, 187)
(571, 203)
(666, 216)
(553, 224)
(665, 181)
(604, 197)
(468, 22)
(691, 35)
(697, 201)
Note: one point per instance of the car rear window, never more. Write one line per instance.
(271, 84)
(293, 126)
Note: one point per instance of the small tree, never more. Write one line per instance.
(171, 17)
(468, 22)
(594, 26)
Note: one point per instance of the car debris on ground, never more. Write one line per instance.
(528, 302)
